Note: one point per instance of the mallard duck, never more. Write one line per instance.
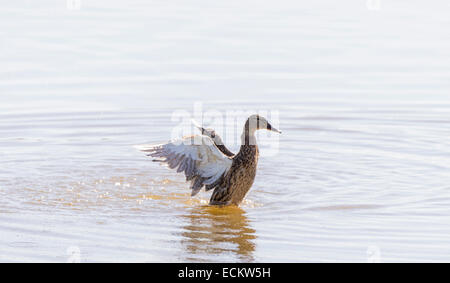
(206, 164)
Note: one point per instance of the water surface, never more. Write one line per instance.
(360, 173)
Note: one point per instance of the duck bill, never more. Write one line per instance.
(275, 130)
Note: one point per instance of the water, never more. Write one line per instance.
(361, 172)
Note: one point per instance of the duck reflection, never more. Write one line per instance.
(218, 230)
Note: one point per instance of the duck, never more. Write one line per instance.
(207, 163)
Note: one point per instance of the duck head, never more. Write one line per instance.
(256, 122)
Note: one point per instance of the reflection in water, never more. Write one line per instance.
(218, 231)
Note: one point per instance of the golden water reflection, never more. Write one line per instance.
(222, 231)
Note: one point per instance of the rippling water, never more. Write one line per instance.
(361, 171)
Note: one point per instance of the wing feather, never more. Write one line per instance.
(197, 157)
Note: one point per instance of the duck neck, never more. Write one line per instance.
(248, 136)
(249, 149)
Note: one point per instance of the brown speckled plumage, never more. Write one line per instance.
(239, 179)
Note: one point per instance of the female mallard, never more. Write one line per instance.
(206, 164)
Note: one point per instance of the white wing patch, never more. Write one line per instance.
(196, 156)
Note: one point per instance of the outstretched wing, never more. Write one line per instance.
(215, 138)
(196, 156)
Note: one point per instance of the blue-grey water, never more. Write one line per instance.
(362, 91)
